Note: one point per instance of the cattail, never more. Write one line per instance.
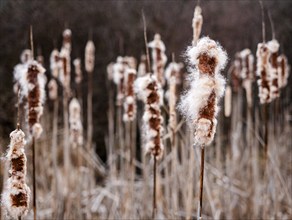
(235, 71)
(78, 71)
(89, 67)
(283, 70)
(263, 54)
(199, 104)
(227, 101)
(53, 89)
(118, 77)
(171, 73)
(110, 70)
(76, 129)
(54, 66)
(65, 69)
(247, 64)
(40, 59)
(67, 35)
(89, 56)
(26, 56)
(16, 195)
(247, 73)
(197, 24)
(273, 46)
(20, 69)
(130, 102)
(159, 58)
(147, 87)
(142, 66)
(35, 82)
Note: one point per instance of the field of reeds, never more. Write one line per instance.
(196, 133)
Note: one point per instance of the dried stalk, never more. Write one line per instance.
(201, 181)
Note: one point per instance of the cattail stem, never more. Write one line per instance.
(33, 179)
(263, 21)
(154, 188)
(202, 181)
(266, 131)
(89, 112)
(54, 145)
(31, 41)
(148, 68)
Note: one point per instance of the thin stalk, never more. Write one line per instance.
(33, 179)
(154, 188)
(31, 41)
(263, 21)
(54, 150)
(272, 25)
(89, 113)
(266, 132)
(66, 132)
(148, 67)
(202, 180)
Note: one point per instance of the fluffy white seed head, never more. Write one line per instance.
(76, 128)
(129, 102)
(26, 56)
(283, 70)
(89, 56)
(147, 88)
(16, 195)
(199, 104)
(67, 35)
(65, 68)
(53, 89)
(78, 71)
(109, 70)
(263, 54)
(228, 101)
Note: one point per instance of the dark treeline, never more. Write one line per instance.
(117, 29)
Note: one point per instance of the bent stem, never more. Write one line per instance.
(201, 181)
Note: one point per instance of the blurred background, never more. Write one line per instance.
(117, 29)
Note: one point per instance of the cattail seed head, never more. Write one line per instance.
(89, 56)
(263, 54)
(147, 88)
(142, 66)
(20, 70)
(273, 46)
(78, 71)
(118, 77)
(67, 35)
(228, 102)
(130, 100)
(159, 58)
(109, 70)
(199, 104)
(54, 66)
(16, 195)
(53, 89)
(283, 70)
(26, 56)
(171, 73)
(76, 128)
(35, 83)
(65, 68)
